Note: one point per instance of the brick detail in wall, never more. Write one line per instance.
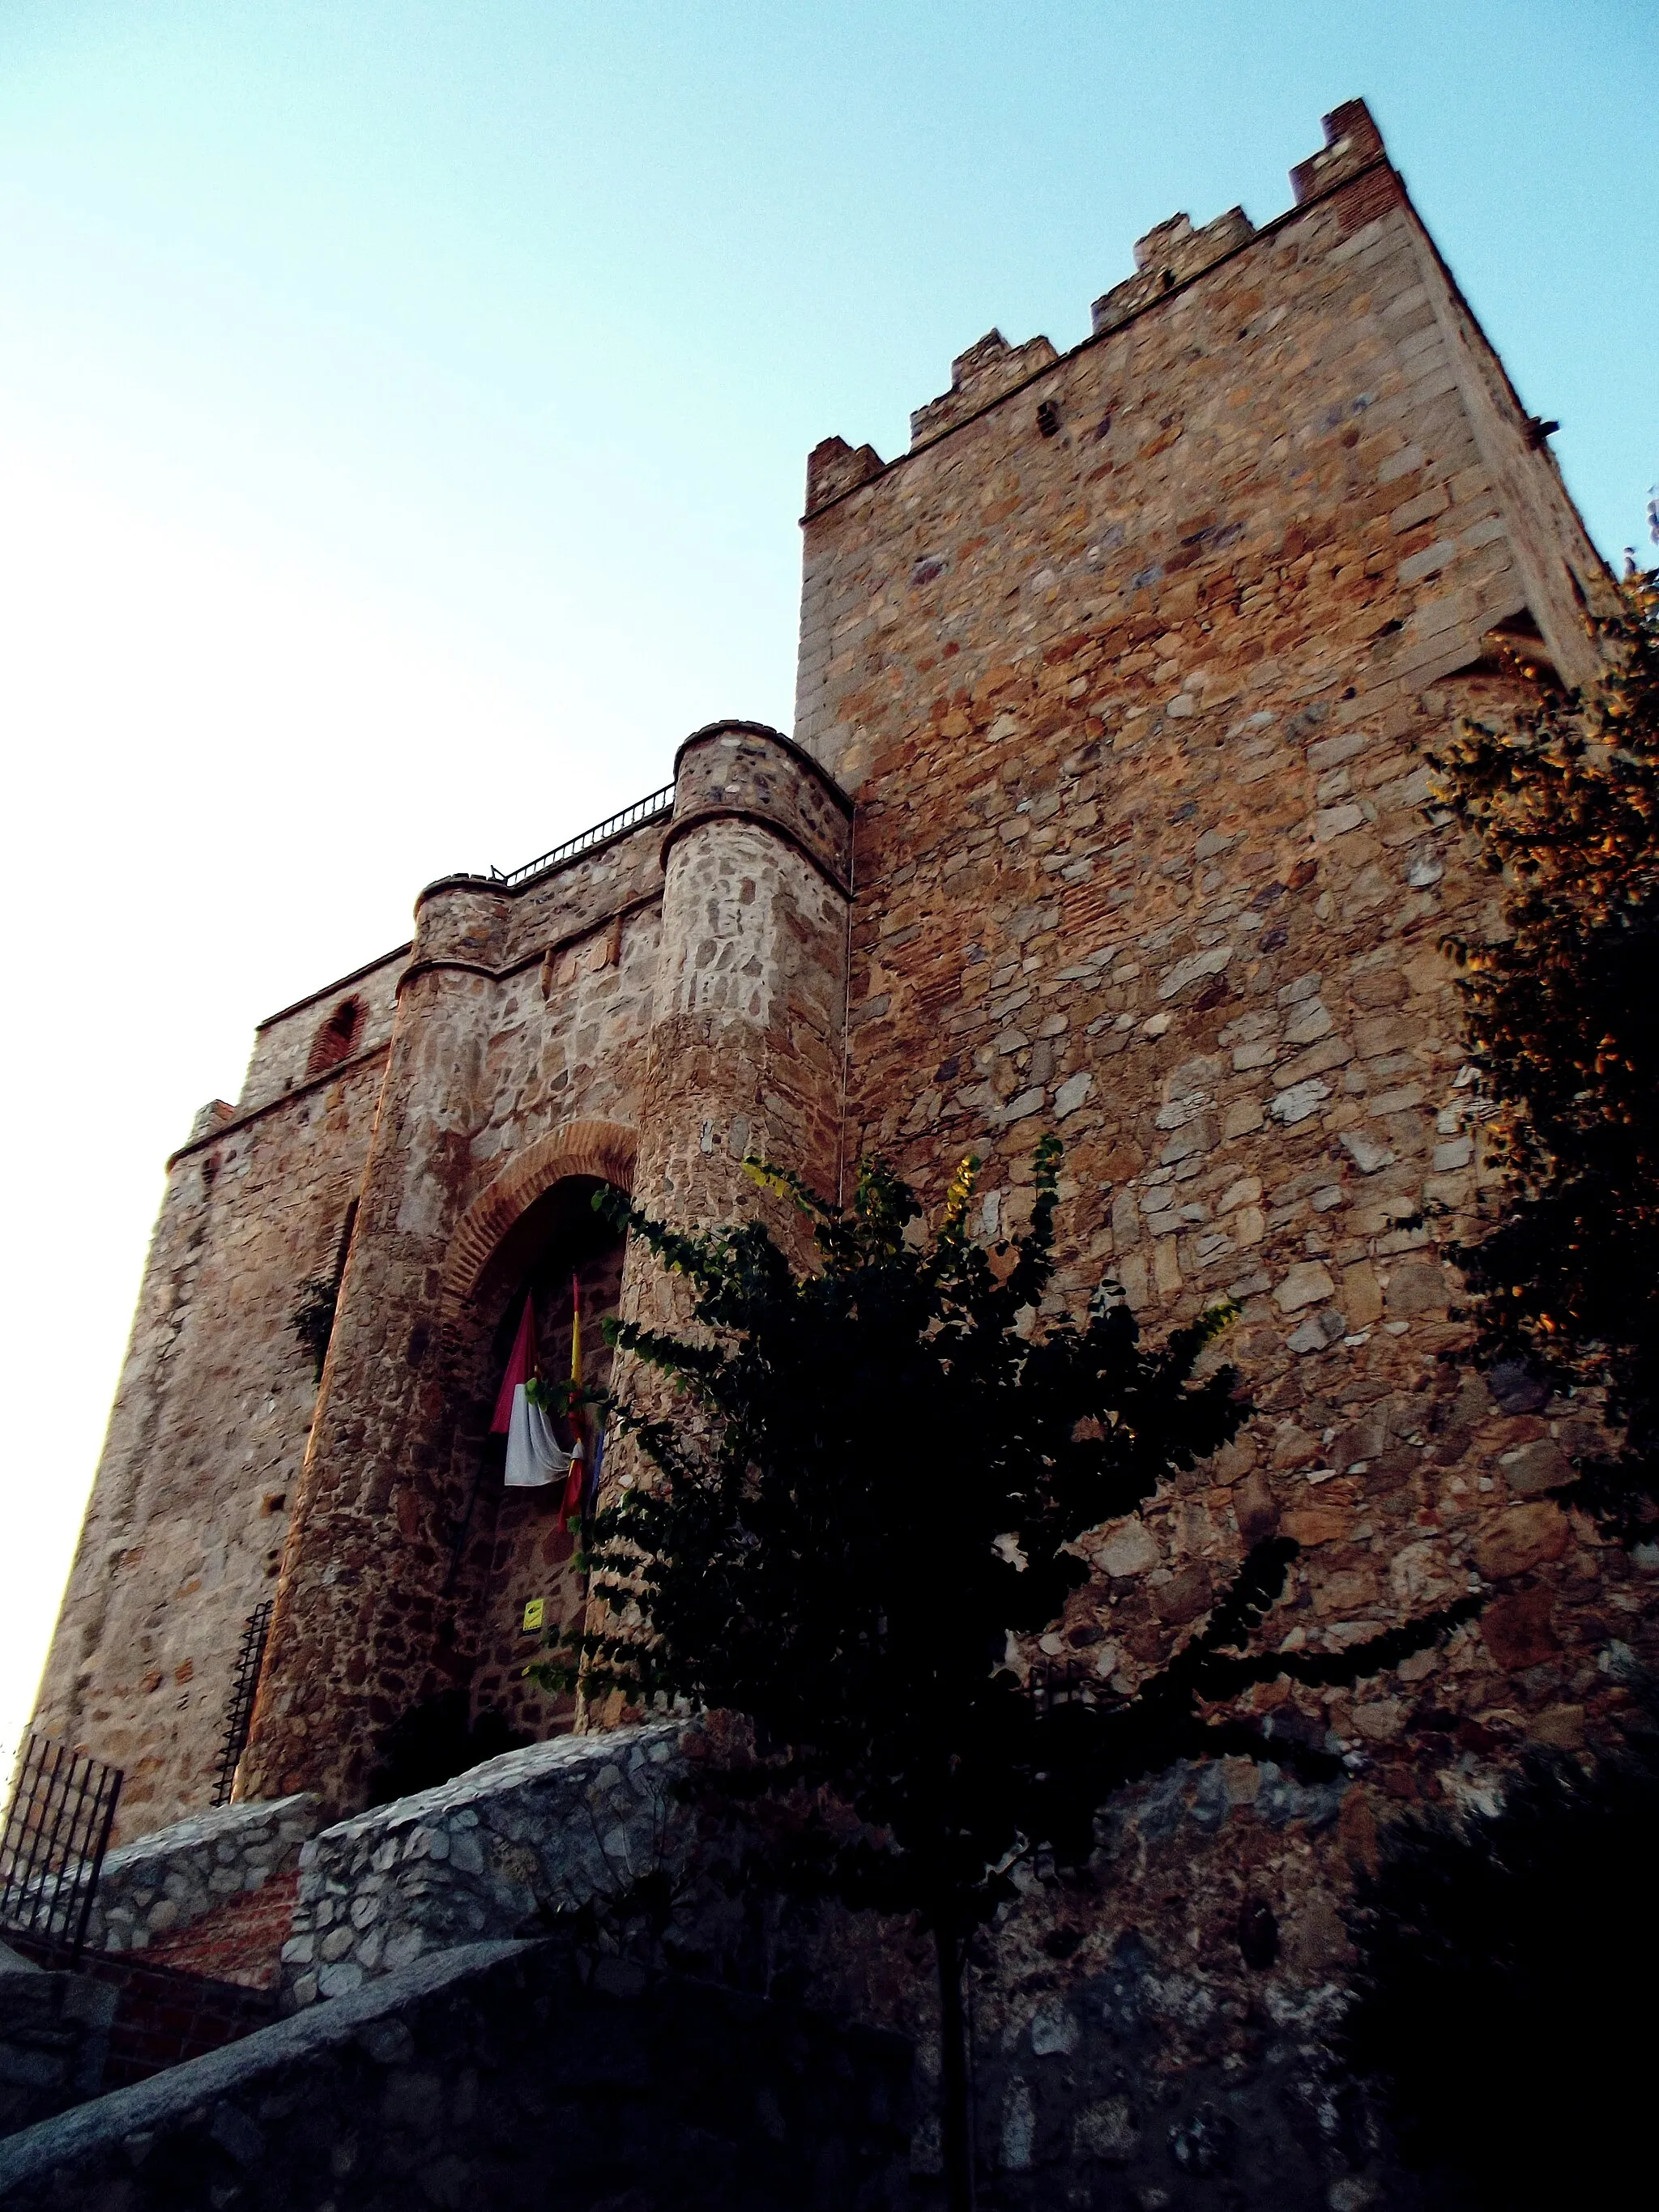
(239, 1943)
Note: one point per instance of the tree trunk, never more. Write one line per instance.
(956, 2134)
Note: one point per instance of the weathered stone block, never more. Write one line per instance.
(1523, 1537)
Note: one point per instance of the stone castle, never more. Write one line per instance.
(1103, 812)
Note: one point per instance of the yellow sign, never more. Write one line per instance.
(535, 1612)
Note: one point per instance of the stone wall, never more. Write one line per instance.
(1110, 2051)
(523, 1012)
(1136, 668)
(509, 2072)
(179, 1875)
(185, 1533)
(494, 1853)
(54, 2040)
(193, 1504)
(1134, 664)
(286, 1044)
(746, 1043)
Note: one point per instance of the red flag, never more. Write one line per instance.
(519, 1369)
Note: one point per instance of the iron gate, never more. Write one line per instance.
(58, 1829)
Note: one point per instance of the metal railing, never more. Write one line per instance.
(51, 1851)
(238, 1706)
(655, 804)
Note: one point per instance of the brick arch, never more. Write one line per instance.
(602, 1149)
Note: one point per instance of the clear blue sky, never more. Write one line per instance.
(402, 412)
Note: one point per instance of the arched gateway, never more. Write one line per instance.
(603, 1151)
(532, 1237)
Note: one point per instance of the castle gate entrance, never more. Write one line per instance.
(516, 1552)
(532, 1238)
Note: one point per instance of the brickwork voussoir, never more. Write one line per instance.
(603, 1150)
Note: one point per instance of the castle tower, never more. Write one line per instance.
(1128, 671)
(1133, 662)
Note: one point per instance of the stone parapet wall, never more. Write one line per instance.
(563, 1824)
(54, 2040)
(500, 2073)
(179, 1875)
(284, 1042)
(983, 374)
(744, 771)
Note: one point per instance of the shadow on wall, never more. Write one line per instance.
(433, 1742)
(512, 2073)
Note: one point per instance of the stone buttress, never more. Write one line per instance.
(361, 1629)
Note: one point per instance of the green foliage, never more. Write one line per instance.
(1564, 1020)
(880, 1473)
(1501, 1993)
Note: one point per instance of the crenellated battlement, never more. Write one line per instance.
(1352, 143)
(987, 369)
(1170, 255)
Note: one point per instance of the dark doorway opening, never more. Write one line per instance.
(518, 1550)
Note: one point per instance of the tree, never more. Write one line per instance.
(1562, 1016)
(1501, 1990)
(875, 1484)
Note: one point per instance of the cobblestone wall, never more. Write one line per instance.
(1110, 2051)
(531, 1833)
(182, 1874)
